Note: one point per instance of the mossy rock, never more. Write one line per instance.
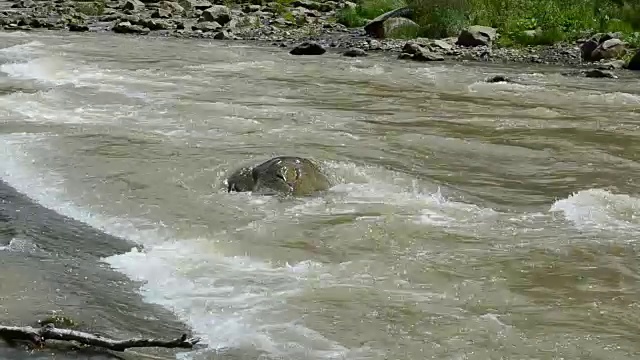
(284, 174)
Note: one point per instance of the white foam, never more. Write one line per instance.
(19, 244)
(599, 209)
(229, 301)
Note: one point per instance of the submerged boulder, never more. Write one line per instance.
(283, 174)
(308, 48)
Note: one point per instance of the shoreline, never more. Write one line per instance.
(263, 26)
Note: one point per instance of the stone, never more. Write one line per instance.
(497, 78)
(125, 27)
(217, 13)
(78, 27)
(415, 52)
(202, 5)
(207, 26)
(223, 35)
(375, 27)
(634, 62)
(399, 28)
(596, 73)
(133, 5)
(154, 24)
(440, 45)
(611, 65)
(161, 14)
(587, 48)
(24, 4)
(191, 6)
(287, 175)
(609, 49)
(425, 55)
(308, 48)
(250, 8)
(173, 7)
(307, 4)
(477, 36)
(410, 48)
(354, 52)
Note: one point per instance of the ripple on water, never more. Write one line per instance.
(404, 257)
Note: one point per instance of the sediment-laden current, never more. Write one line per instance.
(466, 220)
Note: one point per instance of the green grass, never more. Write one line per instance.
(552, 20)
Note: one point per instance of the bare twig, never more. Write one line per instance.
(38, 336)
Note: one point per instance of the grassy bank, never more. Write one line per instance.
(520, 22)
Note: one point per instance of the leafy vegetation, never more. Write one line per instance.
(520, 22)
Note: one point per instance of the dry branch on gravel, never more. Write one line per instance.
(38, 336)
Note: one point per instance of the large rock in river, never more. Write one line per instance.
(375, 27)
(283, 174)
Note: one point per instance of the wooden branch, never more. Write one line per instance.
(49, 332)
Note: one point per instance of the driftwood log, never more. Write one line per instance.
(38, 336)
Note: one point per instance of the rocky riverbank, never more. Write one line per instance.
(308, 27)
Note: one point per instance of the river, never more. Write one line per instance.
(466, 220)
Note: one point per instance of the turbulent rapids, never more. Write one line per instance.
(443, 216)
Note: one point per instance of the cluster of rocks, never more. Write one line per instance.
(306, 26)
(253, 20)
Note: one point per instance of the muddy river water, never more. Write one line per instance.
(466, 220)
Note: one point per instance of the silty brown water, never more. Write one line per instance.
(466, 220)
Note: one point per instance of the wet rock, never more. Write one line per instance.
(171, 6)
(133, 5)
(202, 5)
(125, 27)
(611, 65)
(597, 73)
(206, 26)
(154, 24)
(440, 45)
(587, 48)
(497, 78)
(250, 8)
(425, 55)
(374, 45)
(161, 13)
(133, 19)
(634, 62)
(284, 174)
(24, 4)
(354, 52)
(308, 48)
(375, 27)
(223, 35)
(477, 36)
(609, 49)
(78, 27)
(217, 13)
(307, 4)
(415, 52)
(192, 6)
